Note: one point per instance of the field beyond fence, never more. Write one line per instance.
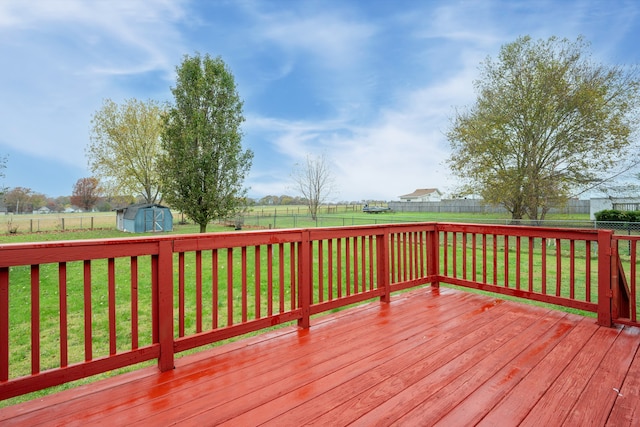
(32, 223)
(293, 216)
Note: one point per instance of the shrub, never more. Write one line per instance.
(614, 215)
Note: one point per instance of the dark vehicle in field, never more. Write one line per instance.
(375, 209)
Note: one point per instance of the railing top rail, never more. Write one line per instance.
(520, 230)
(252, 236)
(257, 237)
(626, 237)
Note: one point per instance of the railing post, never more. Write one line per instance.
(605, 260)
(433, 256)
(165, 305)
(382, 263)
(304, 279)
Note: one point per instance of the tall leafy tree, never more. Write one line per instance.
(314, 180)
(204, 165)
(125, 147)
(547, 121)
(86, 193)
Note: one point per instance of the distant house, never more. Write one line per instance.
(423, 195)
(145, 217)
(43, 210)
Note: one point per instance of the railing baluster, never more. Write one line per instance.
(531, 250)
(572, 269)
(293, 277)
(229, 286)
(155, 297)
(35, 319)
(464, 256)
(64, 328)
(134, 303)
(518, 261)
(505, 251)
(474, 260)
(215, 294)
(404, 257)
(244, 299)
(632, 281)
(320, 272)
(423, 259)
(111, 292)
(330, 268)
(339, 267)
(558, 244)
(4, 323)
(495, 259)
(543, 270)
(371, 262)
(445, 250)
(484, 258)
(198, 295)
(88, 334)
(399, 257)
(587, 283)
(257, 281)
(281, 277)
(181, 295)
(347, 262)
(355, 265)
(392, 257)
(411, 256)
(454, 253)
(363, 263)
(270, 278)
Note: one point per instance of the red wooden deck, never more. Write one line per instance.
(430, 357)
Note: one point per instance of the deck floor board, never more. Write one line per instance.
(429, 357)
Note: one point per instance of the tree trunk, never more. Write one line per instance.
(203, 228)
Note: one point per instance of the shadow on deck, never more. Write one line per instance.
(429, 357)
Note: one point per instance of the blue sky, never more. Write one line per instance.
(370, 84)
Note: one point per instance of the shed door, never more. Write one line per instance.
(154, 219)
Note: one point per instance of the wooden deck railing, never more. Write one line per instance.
(73, 309)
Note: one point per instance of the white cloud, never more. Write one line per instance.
(68, 55)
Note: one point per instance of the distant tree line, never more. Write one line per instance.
(283, 200)
(23, 200)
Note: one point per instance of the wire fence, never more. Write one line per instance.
(11, 224)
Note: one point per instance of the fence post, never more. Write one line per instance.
(164, 310)
(304, 279)
(605, 260)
